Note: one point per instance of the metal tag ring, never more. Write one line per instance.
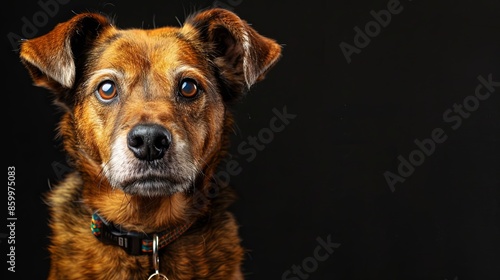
(156, 260)
(158, 275)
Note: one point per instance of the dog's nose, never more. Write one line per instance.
(149, 141)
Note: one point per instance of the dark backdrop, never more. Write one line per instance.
(409, 106)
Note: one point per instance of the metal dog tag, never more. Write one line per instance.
(156, 260)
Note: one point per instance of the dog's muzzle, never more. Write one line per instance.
(150, 161)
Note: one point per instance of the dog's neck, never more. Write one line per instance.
(135, 213)
(131, 221)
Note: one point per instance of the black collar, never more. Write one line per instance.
(133, 242)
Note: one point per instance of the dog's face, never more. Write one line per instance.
(151, 110)
(147, 109)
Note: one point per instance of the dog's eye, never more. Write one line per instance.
(188, 88)
(107, 90)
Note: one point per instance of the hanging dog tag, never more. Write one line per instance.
(156, 261)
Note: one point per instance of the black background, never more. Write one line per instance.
(323, 175)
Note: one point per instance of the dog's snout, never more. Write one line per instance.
(149, 141)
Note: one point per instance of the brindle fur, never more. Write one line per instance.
(214, 47)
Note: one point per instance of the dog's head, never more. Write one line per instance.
(146, 110)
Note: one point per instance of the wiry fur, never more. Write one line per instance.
(214, 47)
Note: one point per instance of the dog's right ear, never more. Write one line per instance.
(52, 59)
(242, 55)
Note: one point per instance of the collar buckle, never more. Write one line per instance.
(131, 242)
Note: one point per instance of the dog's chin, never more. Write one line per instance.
(154, 187)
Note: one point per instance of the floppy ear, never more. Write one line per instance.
(241, 55)
(51, 59)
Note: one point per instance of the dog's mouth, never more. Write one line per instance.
(154, 186)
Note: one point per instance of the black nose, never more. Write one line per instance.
(149, 141)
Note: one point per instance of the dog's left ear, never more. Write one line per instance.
(241, 55)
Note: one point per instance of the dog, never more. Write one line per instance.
(146, 118)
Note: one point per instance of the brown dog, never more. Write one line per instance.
(146, 122)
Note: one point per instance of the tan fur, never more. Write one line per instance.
(225, 57)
